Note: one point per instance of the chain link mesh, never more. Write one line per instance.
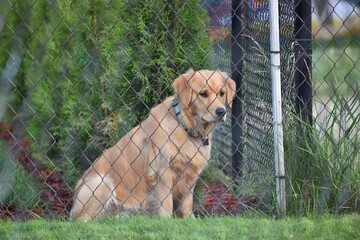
(77, 76)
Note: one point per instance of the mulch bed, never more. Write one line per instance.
(219, 200)
(56, 195)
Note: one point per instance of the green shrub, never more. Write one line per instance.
(91, 70)
(147, 45)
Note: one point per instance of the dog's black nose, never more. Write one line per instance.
(220, 112)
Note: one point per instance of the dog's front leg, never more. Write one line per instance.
(184, 190)
(160, 200)
(183, 196)
(186, 206)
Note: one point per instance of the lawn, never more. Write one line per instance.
(324, 227)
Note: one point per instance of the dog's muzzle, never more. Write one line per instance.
(219, 116)
(220, 112)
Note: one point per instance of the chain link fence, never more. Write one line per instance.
(77, 76)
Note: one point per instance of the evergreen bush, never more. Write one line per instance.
(90, 71)
(146, 46)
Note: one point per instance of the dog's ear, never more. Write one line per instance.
(230, 91)
(182, 86)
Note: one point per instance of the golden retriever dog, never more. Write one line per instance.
(154, 168)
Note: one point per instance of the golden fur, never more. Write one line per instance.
(154, 167)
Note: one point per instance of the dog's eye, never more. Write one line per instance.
(204, 94)
(221, 94)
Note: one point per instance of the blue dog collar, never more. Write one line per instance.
(175, 104)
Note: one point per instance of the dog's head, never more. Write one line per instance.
(205, 94)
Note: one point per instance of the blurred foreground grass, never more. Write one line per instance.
(324, 227)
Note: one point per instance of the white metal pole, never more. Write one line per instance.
(276, 106)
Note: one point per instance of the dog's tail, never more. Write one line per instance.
(95, 197)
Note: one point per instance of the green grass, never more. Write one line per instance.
(323, 168)
(322, 161)
(326, 227)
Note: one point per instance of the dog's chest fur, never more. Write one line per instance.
(191, 161)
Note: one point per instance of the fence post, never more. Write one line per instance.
(236, 74)
(276, 107)
(303, 51)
